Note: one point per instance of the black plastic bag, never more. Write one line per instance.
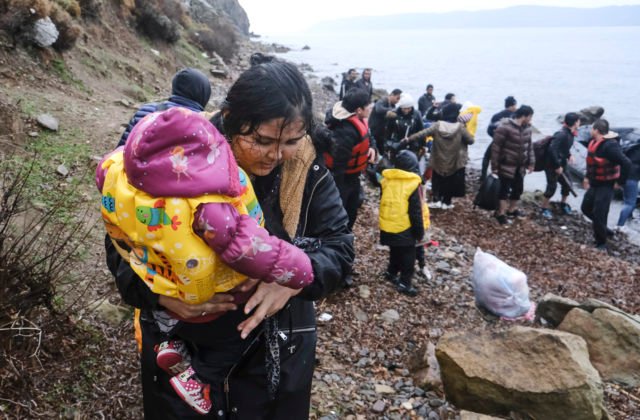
(487, 197)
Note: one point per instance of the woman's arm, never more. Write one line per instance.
(249, 249)
(327, 240)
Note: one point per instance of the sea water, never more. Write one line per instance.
(554, 70)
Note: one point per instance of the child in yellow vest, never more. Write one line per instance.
(185, 216)
(403, 219)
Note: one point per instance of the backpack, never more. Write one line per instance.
(539, 151)
(487, 197)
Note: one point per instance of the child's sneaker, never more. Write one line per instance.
(172, 356)
(566, 209)
(192, 391)
(546, 213)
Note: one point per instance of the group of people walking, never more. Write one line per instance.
(224, 228)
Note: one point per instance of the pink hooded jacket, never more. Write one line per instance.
(178, 153)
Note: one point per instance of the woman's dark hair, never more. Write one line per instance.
(396, 92)
(448, 96)
(270, 89)
(601, 126)
(571, 118)
(355, 98)
(523, 111)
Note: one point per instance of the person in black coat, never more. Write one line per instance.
(407, 122)
(190, 89)
(364, 82)
(383, 110)
(510, 106)
(348, 82)
(259, 356)
(557, 155)
(426, 101)
(606, 167)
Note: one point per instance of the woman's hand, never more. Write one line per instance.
(268, 299)
(220, 302)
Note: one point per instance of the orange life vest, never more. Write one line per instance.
(359, 152)
(600, 169)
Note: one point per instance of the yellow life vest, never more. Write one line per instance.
(155, 235)
(472, 125)
(397, 187)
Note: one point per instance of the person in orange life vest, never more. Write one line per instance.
(351, 148)
(607, 168)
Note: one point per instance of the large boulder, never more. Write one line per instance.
(211, 12)
(540, 373)
(553, 308)
(44, 32)
(613, 339)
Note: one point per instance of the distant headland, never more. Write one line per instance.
(517, 16)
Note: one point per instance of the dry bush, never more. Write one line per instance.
(154, 23)
(38, 243)
(69, 31)
(221, 38)
(91, 9)
(70, 6)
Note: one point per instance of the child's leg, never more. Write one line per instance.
(420, 257)
(394, 264)
(172, 354)
(407, 263)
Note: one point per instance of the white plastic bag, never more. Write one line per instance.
(498, 287)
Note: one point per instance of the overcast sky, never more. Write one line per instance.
(287, 16)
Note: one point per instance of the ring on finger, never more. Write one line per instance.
(203, 313)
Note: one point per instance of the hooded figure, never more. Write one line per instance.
(190, 88)
(449, 154)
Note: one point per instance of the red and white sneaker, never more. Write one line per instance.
(192, 391)
(172, 356)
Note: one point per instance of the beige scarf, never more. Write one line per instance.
(294, 176)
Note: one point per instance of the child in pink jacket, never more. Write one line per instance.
(186, 217)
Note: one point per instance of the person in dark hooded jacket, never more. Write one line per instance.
(190, 88)
(402, 219)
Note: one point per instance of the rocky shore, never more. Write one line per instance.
(373, 351)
